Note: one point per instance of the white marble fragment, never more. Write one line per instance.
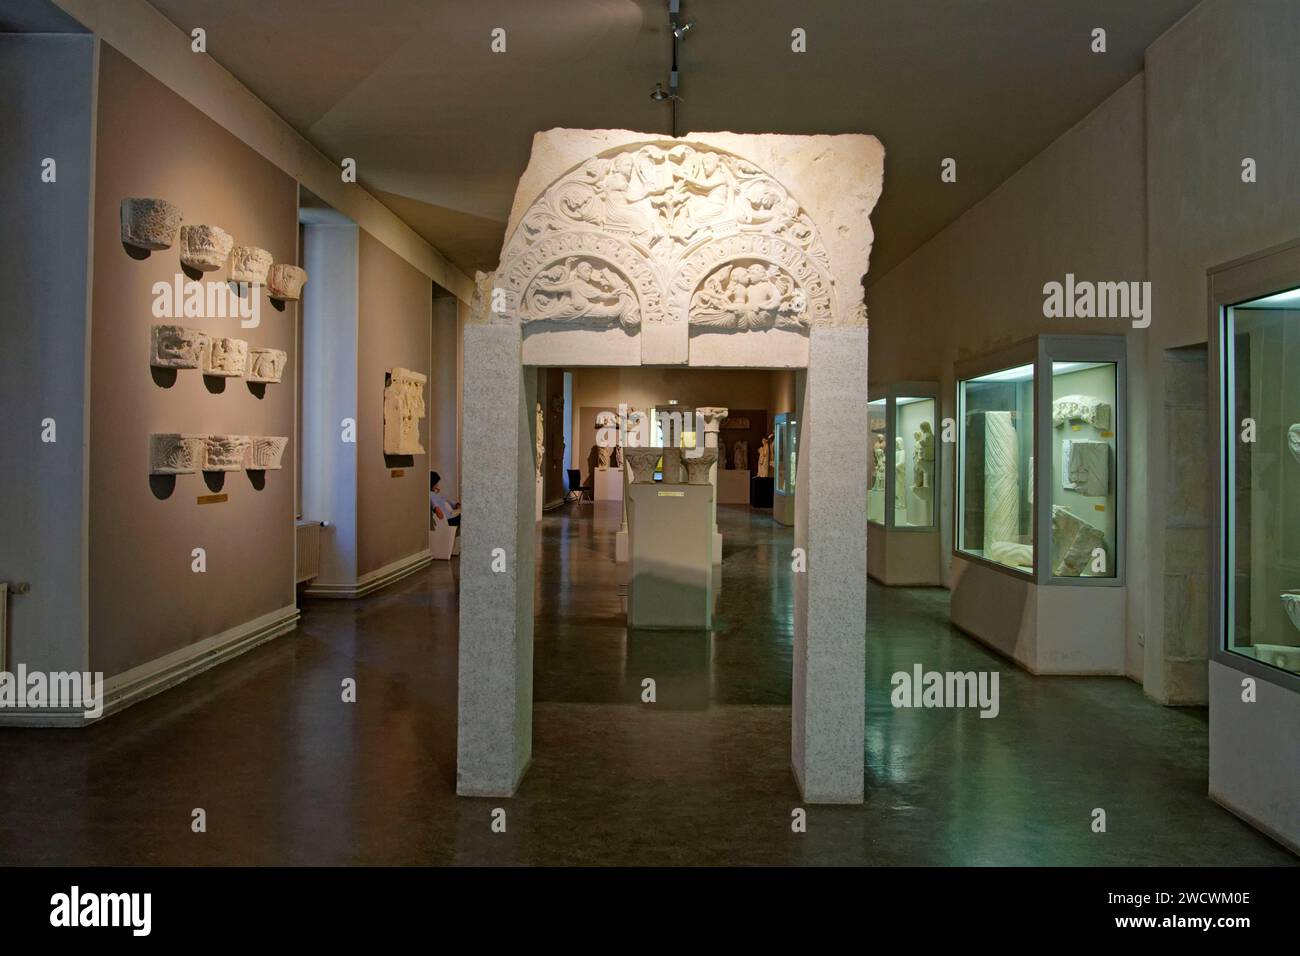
(1085, 467)
(285, 281)
(1083, 408)
(265, 451)
(1291, 604)
(205, 247)
(403, 410)
(1293, 440)
(1001, 479)
(1073, 541)
(175, 454)
(249, 264)
(174, 346)
(266, 365)
(225, 358)
(225, 452)
(149, 223)
(1012, 553)
(697, 465)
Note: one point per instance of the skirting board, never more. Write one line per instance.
(139, 683)
(372, 580)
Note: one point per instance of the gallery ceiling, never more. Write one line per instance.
(441, 126)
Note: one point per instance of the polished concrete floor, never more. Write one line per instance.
(288, 773)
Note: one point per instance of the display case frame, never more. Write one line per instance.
(1042, 352)
(1242, 280)
(890, 394)
(784, 425)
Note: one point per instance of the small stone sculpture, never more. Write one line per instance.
(541, 435)
(225, 452)
(1291, 604)
(205, 247)
(740, 455)
(900, 473)
(265, 452)
(174, 454)
(697, 465)
(878, 464)
(173, 346)
(1293, 439)
(225, 358)
(403, 409)
(765, 458)
(266, 365)
(249, 264)
(149, 223)
(284, 282)
(1084, 408)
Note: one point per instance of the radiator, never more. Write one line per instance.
(308, 548)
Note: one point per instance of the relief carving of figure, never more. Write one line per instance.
(577, 290)
(745, 297)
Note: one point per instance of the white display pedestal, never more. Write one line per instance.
(733, 486)
(671, 546)
(876, 505)
(538, 516)
(903, 558)
(920, 506)
(609, 484)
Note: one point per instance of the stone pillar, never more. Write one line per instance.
(495, 736)
(713, 417)
(829, 706)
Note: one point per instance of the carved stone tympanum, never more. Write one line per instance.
(205, 247)
(697, 465)
(174, 454)
(174, 346)
(225, 358)
(225, 452)
(285, 281)
(249, 264)
(265, 451)
(266, 365)
(150, 223)
(403, 409)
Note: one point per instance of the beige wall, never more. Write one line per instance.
(144, 599)
(394, 319)
(444, 396)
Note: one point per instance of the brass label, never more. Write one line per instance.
(399, 472)
(1076, 427)
(671, 494)
(1100, 507)
(1107, 434)
(213, 499)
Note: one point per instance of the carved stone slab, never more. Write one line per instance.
(1085, 467)
(174, 346)
(175, 454)
(249, 264)
(1084, 408)
(150, 223)
(266, 365)
(225, 452)
(697, 465)
(1293, 440)
(1291, 604)
(403, 410)
(205, 248)
(1001, 479)
(1073, 541)
(265, 451)
(225, 358)
(285, 281)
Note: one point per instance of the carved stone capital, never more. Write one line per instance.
(697, 465)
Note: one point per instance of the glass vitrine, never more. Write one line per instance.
(903, 471)
(786, 453)
(1259, 357)
(1040, 476)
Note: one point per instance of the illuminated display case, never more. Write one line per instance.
(1038, 532)
(903, 476)
(785, 455)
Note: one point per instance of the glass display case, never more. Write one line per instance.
(786, 453)
(903, 470)
(1060, 397)
(1259, 363)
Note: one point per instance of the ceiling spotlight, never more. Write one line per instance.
(681, 30)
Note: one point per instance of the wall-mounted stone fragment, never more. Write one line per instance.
(205, 247)
(225, 452)
(249, 264)
(225, 358)
(266, 365)
(403, 410)
(150, 223)
(174, 346)
(175, 454)
(285, 281)
(265, 451)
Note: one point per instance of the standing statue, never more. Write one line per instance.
(900, 472)
(878, 464)
(541, 437)
(740, 455)
(765, 458)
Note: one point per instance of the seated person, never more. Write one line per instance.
(442, 509)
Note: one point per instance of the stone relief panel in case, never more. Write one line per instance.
(174, 346)
(266, 365)
(150, 223)
(225, 358)
(265, 452)
(225, 452)
(403, 410)
(175, 454)
(205, 248)
(249, 264)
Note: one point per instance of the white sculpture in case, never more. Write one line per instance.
(175, 454)
(174, 346)
(225, 358)
(1074, 541)
(1293, 440)
(1083, 408)
(225, 452)
(265, 452)
(205, 248)
(266, 365)
(1085, 466)
(249, 264)
(403, 410)
(150, 223)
